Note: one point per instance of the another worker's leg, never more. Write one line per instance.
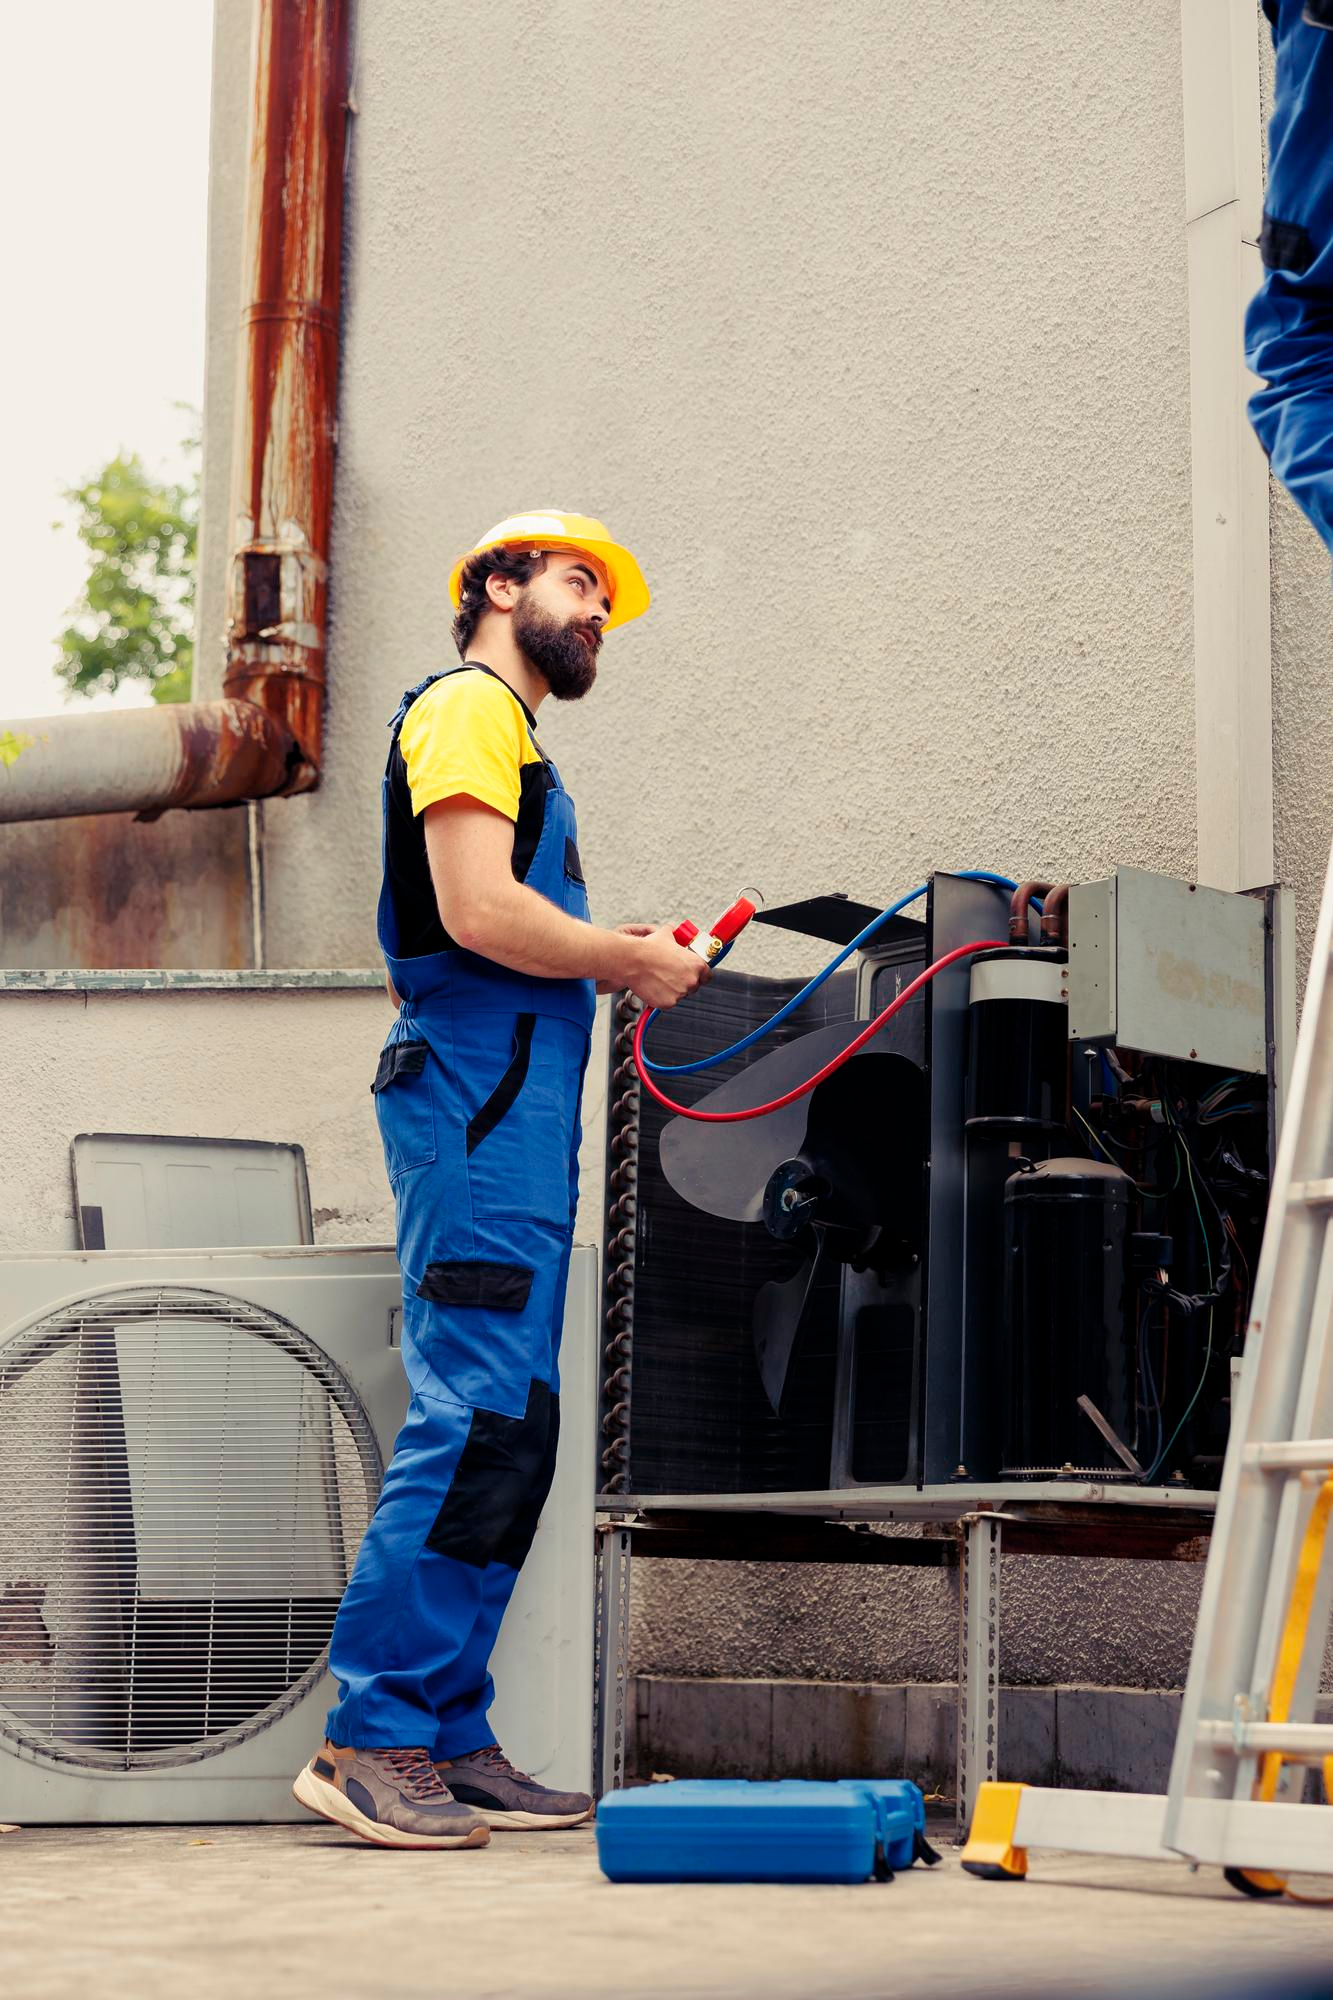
(1289, 327)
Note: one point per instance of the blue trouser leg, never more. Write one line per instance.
(404, 1605)
(1289, 326)
(436, 1568)
(485, 1190)
(461, 1724)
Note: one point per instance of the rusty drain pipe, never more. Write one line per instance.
(264, 738)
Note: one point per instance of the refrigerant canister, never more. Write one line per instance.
(1018, 1040)
(1067, 1225)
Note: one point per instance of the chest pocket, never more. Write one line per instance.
(404, 1106)
(574, 890)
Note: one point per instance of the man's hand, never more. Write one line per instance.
(471, 847)
(624, 930)
(659, 970)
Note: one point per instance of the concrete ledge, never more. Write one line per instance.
(1110, 1739)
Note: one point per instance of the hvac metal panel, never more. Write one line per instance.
(954, 1405)
(68, 1573)
(1169, 968)
(145, 1192)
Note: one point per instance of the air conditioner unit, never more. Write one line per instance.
(1010, 1240)
(191, 1445)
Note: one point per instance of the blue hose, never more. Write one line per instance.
(813, 985)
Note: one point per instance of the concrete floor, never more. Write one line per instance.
(295, 1911)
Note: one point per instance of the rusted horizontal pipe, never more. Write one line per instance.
(265, 736)
(145, 760)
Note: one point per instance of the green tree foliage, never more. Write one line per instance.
(134, 620)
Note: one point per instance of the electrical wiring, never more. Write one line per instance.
(811, 986)
(1162, 1194)
(1142, 1187)
(1244, 1260)
(1208, 1347)
(1169, 1113)
(922, 980)
(1145, 1359)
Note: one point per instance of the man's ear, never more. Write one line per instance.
(502, 591)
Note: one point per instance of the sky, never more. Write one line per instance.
(104, 166)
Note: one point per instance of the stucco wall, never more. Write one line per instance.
(288, 1066)
(1302, 709)
(292, 1066)
(867, 328)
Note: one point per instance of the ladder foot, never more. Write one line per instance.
(1256, 1882)
(990, 1851)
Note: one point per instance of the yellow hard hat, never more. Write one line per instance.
(629, 592)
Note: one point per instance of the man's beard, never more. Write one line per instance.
(565, 661)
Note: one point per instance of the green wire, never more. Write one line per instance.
(1162, 1193)
(1208, 1350)
(1093, 1136)
(1142, 1186)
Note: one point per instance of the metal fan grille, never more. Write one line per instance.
(184, 1482)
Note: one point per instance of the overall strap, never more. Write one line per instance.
(399, 715)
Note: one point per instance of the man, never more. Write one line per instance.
(483, 921)
(1289, 327)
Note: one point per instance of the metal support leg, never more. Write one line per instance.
(611, 1657)
(978, 1660)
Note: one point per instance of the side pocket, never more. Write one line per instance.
(573, 866)
(1285, 246)
(506, 1090)
(503, 1287)
(404, 1107)
(399, 1059)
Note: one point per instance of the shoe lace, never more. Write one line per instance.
(415, 1773)
(495, 1757)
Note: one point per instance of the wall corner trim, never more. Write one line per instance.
(1233, 693)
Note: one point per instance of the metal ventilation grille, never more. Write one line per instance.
(184, 1481)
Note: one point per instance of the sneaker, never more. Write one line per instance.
(391, 1797)
(505, 1797)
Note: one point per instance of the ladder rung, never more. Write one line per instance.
(1302, 1742)
(1311, 1194)
(1301, 1455)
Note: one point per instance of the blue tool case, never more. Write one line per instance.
(736, 1830)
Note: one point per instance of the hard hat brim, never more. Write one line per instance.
(629, 592)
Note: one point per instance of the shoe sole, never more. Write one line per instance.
(331, 1804)
(535, 1822)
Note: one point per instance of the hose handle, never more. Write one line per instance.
(728, 926)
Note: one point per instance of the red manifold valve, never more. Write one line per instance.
(728, 926)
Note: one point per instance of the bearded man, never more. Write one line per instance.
(493, 963)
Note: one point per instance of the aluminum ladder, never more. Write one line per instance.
(1247, 1733)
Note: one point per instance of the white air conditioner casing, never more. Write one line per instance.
(346, 1301)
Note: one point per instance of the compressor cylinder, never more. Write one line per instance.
(1067, 1226)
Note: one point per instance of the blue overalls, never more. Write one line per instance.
(477, 1096)
(1289, 326)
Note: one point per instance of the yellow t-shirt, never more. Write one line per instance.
(468, 735)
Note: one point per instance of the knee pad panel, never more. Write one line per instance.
(499, 1488)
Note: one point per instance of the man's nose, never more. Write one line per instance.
(597, 616)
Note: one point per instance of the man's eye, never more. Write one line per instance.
(578, 584)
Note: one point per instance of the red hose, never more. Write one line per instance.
(843, 1055)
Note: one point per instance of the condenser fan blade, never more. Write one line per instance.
(724, 1169)
(779, 1315)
